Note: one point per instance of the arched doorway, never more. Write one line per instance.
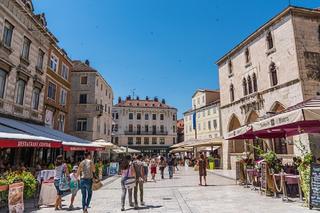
(277, 107)
(235, 146)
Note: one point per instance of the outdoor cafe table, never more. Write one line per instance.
(47, 193)
(288, 179)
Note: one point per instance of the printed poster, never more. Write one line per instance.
(15, 198)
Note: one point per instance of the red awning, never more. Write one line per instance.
(16, 143)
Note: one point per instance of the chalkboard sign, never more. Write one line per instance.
(263, 179)
(315, 186)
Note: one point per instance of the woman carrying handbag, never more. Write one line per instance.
(128, 180)
(60, 180)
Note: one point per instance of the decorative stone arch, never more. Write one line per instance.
(234, 123)
(29, 5)
(277, 107)
(251, 117)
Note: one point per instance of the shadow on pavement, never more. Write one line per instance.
(148, 207)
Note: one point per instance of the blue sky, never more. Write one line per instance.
(164, 48)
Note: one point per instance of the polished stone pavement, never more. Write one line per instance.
(182, 194)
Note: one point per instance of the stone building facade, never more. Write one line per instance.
(58, 88)
(91, 103)
(24, 47)
(205, 106)
(145, 125)
(277, 66)
(180, 131)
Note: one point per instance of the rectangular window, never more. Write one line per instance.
(138, 116)
(174, 117)
(162, 129)
(117, 116)
(83, 99)
(146, 116)
(138, 140)
(174, 129)
(162, 141)
(40, 60)
(26, 49)
(154, 140)
(82, 124)
(130, 128)
(130, 140)
(61, 122)
(63, 97)
(130, 116)
(3, 77)
(106, 92)
(154, 129)
(209, 125)
(146, 128)
(53, 64)
(161, 117)
(83, 79)
(35, 98)
(146, 141)
(65, 71)
(154, 117)
(209, 111)
(52, 91)
(215, 124)
(7, 34)
(173, 140)
(105, 128)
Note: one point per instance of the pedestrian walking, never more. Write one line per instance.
(86, 170)
(176, 161)
(170, 163)
(162, 166)
(202, 169)
(127, 172)
(74, 186)
(146, 168)
(139, 170)
(153, 168)
(60, 171)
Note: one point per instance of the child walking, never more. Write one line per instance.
(74, 185)
(153, 169)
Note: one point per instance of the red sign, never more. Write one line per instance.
(12, 143)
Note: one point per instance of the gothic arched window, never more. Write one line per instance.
(269, 40)
(273, 74)
(249, 85)
(245, 88)
(255, 83)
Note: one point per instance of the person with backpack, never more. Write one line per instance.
(86, 170)
(139, 170)
(128, 180)
(61, 171)
(170, 166)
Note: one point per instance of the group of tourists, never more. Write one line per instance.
(134, 173)
(81, 178)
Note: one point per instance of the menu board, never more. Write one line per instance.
(15, 198)
(263, 179)
(315, 186)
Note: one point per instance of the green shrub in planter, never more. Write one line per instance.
(27, 178)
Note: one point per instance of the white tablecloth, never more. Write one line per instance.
(45, 175)
(48, 194)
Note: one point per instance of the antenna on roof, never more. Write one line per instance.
(133, 93)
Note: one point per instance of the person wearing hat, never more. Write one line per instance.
(74, 185)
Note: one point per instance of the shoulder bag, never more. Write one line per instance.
(129, 182)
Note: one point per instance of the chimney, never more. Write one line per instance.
(163, 101)
(87, 62)
(138, 98)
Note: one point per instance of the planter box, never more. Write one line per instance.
(4, 188)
